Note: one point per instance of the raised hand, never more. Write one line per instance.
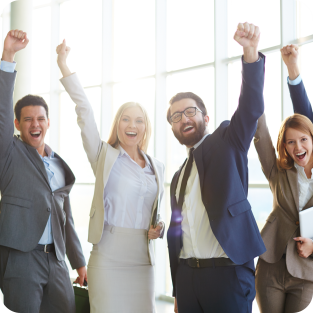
(248, 36)
(290, 55)
(155, 233)
(63, 51)
(15, 41)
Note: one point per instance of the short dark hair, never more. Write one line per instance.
(186, 95)
(27, 101)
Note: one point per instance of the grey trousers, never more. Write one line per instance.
(35, 282)
(279, 292)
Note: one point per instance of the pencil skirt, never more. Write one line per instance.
(120, 275)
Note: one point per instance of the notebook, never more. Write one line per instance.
(306, 223)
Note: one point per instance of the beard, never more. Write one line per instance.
(190, 140)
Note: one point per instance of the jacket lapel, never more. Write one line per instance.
(199, 162)
(157, 177)
(292, 175)
(36, 160)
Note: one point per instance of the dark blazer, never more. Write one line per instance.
(26, 197)
(222, 165)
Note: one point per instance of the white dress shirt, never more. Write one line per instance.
(198, 238)
(129, 193)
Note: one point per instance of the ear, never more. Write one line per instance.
(17, 124)
(206, 119)
(48, 122)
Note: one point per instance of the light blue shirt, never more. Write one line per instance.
(54, 168)
(294, 82)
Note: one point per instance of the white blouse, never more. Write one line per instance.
(305, 187)
(129, 193)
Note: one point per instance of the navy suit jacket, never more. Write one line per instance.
(300, 101)
(222, 164)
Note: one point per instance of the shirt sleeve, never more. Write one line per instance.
(294, 82)
(7, 66)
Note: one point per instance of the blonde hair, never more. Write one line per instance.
(113, 137)
(298, 122)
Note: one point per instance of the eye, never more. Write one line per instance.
(139, 121)
(125, 119)
(290, 142)
(304, 139)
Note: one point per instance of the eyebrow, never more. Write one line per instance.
(129, 116)
(294, 139)
(26, 117)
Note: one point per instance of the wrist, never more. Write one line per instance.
(8, 56)
(293, 72)
(250, 55)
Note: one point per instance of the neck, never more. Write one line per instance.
(308, 168)
(132, 151)
(41, 150)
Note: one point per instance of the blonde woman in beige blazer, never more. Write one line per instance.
(124, 213)
(284, 273)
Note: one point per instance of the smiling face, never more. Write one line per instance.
(189, 130)
(131, 128)
(33, 125)
(299, 146)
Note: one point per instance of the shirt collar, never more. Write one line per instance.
(48, 150)
(197, 144)
(123, 152)
(300, 170)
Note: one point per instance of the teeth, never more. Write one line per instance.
(298, 154)
(131, 133)
(35, 133)
(187, 127)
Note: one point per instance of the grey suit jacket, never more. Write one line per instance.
(26, 197)
(282, 225)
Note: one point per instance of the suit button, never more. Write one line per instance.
(297, 222)
(48, 209)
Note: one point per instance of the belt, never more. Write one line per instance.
(45, 248)
(193, 262)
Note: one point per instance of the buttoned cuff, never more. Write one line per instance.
(294, 82)
(7, 66)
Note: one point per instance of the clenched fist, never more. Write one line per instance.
(248, 36)
(15, 41)
(290, 55)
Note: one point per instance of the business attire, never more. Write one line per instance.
(125, 204)
(213, 237)
(284, 280)
(36, 223)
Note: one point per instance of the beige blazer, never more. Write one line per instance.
(102, 157)
(282, 225)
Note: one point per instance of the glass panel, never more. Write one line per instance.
(258, 13)
(134, 38)
(304, 18)
(1, 33)
(46, 97)
(141, 91)
(261, 200)
(272, 101)
(41, 46)
(81, 26)
(41, 2)
(200, 82)
(305, 67)
(190, 33)
(81, 198)
(72, 150)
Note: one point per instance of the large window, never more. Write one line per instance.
(147, 51)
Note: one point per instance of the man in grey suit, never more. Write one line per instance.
(36, 223)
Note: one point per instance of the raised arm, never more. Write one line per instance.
(265, 149)
(251, 103)
(85, 116)
(15, 41)
(300, 100)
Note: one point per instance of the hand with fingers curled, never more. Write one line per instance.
(248, 36)
(63, 51)
(15, 41)
(155, 233)
(290, 54)
(82, 276)
(304, 246)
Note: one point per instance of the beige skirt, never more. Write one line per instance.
(120, 275)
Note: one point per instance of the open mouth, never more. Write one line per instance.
(301, 156)
(131, 134)
(188, 129)
(35, 134)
